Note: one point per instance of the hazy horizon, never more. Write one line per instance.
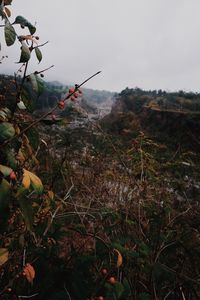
(149, 44)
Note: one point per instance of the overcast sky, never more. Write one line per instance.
(151, 44)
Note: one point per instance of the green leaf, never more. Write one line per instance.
(26, 208)
(3, 256)
(25, 53)
(5, 170)
(33, 137)
(37, 83)
(6, 131)
(40, 85)
(118, 289)
(33, 80)
(144, 249)
(22, 21)
(11, 158)
(10, 34)
(2, 14)
(127, 289)
(27, 97)
(144, 296)
(38, 54)
(4, 193)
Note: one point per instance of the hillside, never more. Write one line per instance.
(156, 111)
(170, 137)
(113, 212)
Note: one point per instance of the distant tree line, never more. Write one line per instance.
(136, 98)
(155, 93)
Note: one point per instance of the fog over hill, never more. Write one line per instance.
(151, 44)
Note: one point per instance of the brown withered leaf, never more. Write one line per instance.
(7, 11)
(29, 272)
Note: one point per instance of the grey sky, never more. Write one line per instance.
(145, 43)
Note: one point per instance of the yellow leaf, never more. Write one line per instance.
(29, 272)
(26, 180)
(119, 258)
(34, 180)
(17, 129)
(5, 170)
(30, 150)
(3, 256)
(20, 156)
(51, 195)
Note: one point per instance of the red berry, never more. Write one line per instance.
(112, 280)
(53, 117)
(71, 90)
(100, 298)
(73, 98)
(75, 95)
(61, 104)
(104, 271)
(13, 176)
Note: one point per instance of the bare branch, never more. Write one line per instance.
(41, 45)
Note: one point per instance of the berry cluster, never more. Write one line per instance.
(73, 94)
(110, 279)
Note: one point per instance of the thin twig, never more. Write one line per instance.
(68, 193)
(67, 292)
(42, 71)
(196, 281)
(28, 297)
(182, 294)
(76, 212)
(51, 221)
(168, 294)
(41, 45)
(179, 215)
(24, 258)
(162, 249)
(176, 152)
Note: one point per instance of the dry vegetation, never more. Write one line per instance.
(105, 211)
